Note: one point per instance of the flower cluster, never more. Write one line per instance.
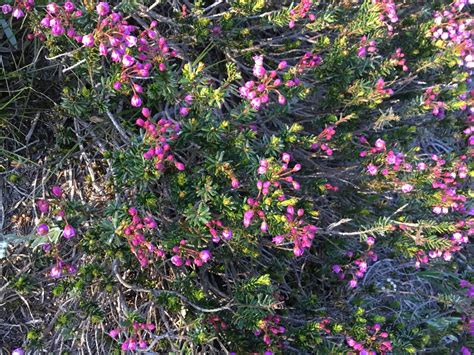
(358, 267)
(19, 8)
(299, 232)
(430, 101)
(366, 46)
(258, 92)
(49, 210)
(453, 31)
(389, 13)
(381, 90)
(139, 52)
(218, 231)
(135, 232)
(158, 137)
(60, 20)
(269, 327)
(448, 179)
(375, 338)
(322, 140)
(185, 109)
(389, 162)
(398, 59)
(135, 336)
(277, 174)
(185, 255)
(300, 11)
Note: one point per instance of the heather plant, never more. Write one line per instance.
(237, 177)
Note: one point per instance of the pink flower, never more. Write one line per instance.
(370, 241)
(256, 103)
(286, 157)
(184, 111)
(69, 6)
(69, 231)
(282, 65)
(278, 239)
(372, 169)
(18, 13)
(88, 40)
(235, 183)
(6, 8)
(406, 188)
(136, 101)
(226, 234)
(56, 271)
(176, 260)
(113, 333)
(248, 215)
(380, 144)
(128, 60)
(42, 229)
(297, 250)
(43, 206)
(353, 283)
(179, 166)
(102, 9)
(18, 351)
(205, 255)
(57, 191)
(45, 22)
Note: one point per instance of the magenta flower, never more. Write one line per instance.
(136, 101)
(52, 7)
(226, 234)
(45, 22)
(18, 13)
(68, 6)
(56, 271)
(278, 239)
(69, 231)
(128, 60)
(205, 255)
(113, 333)
(42, 229)
(117, 85)
(6, 9)
(18, 351)
(184, 111)
(57, 191)
(176, 260)
(179, 166)
(235, 183)
(248, 215)
(88, 40)
(43, 206)
(102, 9)
(372, 169)
(380, 144)
(406, 188)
